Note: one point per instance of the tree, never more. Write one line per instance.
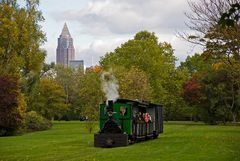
(133, 84)
(12, 105)
(230, 17)
(91, 93)
(212, 100)
(71, 81)
(20, 41)
(48, 70)
(157, 61)
(48, 99)
(20, 54)
(196, 65)
(21, 38)
(220, 42)
(217, 27)
(91, 96)
(144, 53)
(175, 107)
(228, 89)
(192, 94)
(212, 93)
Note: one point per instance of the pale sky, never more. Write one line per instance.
(99, 26)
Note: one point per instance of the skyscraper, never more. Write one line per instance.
(65, 48)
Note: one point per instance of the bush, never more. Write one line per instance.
(36, 122)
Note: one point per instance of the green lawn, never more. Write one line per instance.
(183, 141)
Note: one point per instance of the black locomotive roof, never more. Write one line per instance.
(142, 103)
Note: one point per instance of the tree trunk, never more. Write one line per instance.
(234, 116)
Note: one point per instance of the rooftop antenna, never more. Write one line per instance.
(92, 61)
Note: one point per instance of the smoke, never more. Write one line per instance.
(110, 85)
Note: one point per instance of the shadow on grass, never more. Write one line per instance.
(200, 123)
(183, 123)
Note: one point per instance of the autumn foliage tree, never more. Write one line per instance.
(192, 92)
(12, 105)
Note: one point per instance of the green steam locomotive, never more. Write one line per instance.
(126, 121)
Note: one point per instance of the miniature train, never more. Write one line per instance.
(125, 121)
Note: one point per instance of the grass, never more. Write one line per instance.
(181, 141)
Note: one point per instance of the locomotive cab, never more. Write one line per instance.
(127, 121)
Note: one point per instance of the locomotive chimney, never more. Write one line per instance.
(110, 105)
(110, 109)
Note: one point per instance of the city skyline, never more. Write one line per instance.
(99, 26)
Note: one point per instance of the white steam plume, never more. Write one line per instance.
(110, 85)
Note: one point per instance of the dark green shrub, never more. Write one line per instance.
(36, 122)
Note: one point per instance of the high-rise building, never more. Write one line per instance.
(65, 48)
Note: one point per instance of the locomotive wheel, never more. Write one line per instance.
(155, 135)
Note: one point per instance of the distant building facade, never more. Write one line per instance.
(65, 48)
(76, 64)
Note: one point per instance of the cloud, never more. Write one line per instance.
(100, 26)
(51, 52)
(128, 16)
(92, 52)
